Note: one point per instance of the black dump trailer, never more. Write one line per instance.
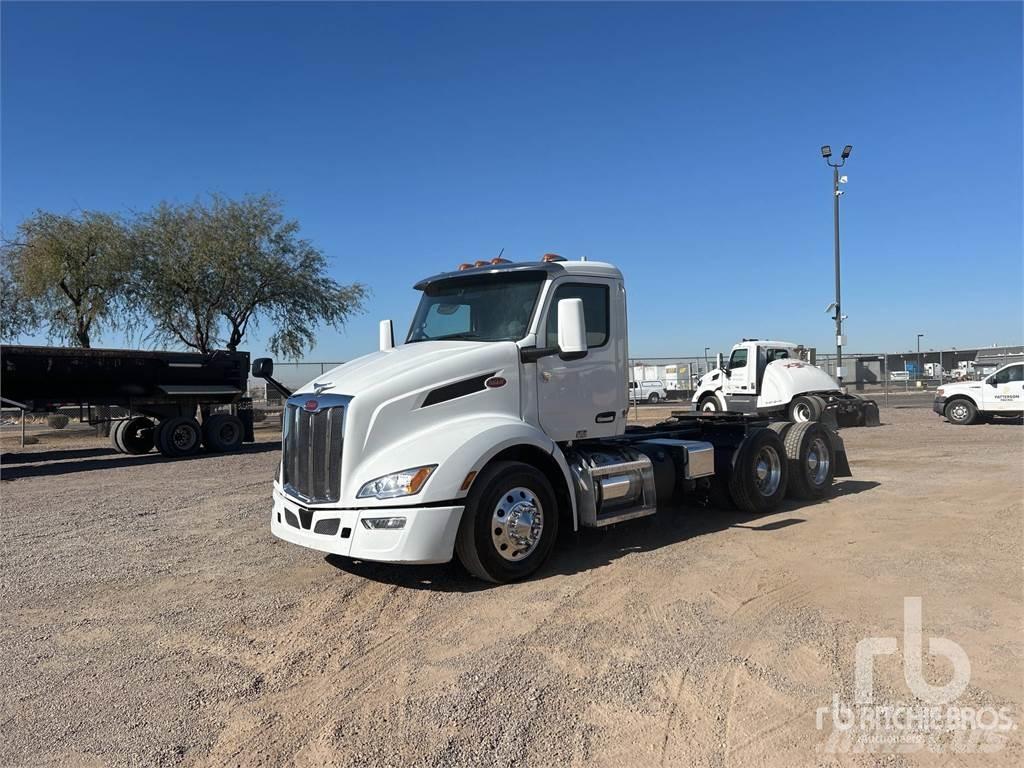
(162, 391)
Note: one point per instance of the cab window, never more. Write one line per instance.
(595, 312)
(777, 354)
(738, 359)
(1007, 375)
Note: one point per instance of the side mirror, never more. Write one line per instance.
(572, 330)
(387, 336)
(262, 367)
(720, 361)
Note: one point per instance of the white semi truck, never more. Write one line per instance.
(772, 378)
(502, 419)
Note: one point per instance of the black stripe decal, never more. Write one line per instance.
(457, 389)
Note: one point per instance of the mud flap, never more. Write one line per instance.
(829, 418)
(842, 465)
(871, 418)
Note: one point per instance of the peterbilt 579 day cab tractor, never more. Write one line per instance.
(502, 419)
(772, 378)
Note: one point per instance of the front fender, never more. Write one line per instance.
(457, 447)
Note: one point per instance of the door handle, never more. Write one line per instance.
(546, 375)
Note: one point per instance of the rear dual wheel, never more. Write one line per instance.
(760, 472)
(805, 408)
(810, 454)
(179, 436)
(222, 432)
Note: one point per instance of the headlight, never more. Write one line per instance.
(938, 392)
(408, 482)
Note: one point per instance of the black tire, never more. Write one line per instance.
(653, 398)
(223, 432)
(811, 458)
(708, 403)
(483, 545)
(805, 408)
(177, 437)
(960, 411)
(135, 435)
(760, 472)
(115, 436)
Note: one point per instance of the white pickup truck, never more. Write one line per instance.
(773, 379)
(501, 419)
(1000, 394)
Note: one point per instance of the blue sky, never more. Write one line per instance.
(678, 141)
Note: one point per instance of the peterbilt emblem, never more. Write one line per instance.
(312, 405)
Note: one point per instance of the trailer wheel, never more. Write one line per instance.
(759, 472)
(223, 432)
(510, 523)
(961, 411)
(805, 408)
(811, 467)
(178, 437)
(115, 436)
(134, 436)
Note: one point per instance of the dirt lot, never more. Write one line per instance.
(151, 619)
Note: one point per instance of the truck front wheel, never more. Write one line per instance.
(961, 412)
(708, 404)
(510, 523)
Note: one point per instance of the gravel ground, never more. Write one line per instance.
(151, 619)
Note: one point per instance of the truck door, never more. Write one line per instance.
(742, 376)
(584, 398)
(1004, 390)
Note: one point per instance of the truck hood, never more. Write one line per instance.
(422, 362)
(417, 394)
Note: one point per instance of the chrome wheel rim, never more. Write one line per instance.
(802, 412)
(517, 524)
(817, 462)
(958, 412)
(767, 471)
(709, 406)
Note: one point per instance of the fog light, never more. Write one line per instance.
(383, 523)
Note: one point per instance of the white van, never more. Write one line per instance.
(651, 391)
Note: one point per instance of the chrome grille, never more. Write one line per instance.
(311, 447)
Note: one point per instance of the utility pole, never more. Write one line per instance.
(920, 370)
(826, 152)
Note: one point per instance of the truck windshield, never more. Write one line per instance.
(478, 308)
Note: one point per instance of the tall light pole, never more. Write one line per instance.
(826, 152)
(919, 369)
(706, 359)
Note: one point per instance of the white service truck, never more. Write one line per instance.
(771, 378)
(998, 394)
(500, 420)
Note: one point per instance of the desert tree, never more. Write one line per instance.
(215, 270)
(69, 273)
